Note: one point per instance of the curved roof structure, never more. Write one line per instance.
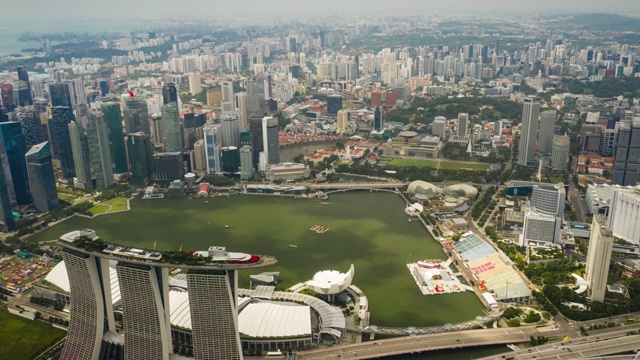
(461, 190)
(331, 281)
(423, 188)
(275, 320)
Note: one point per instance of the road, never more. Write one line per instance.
(608, 341)
(421, 343)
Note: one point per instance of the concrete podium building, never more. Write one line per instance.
(144, 292)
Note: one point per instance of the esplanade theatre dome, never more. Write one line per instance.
(423, 188)
(461, 190)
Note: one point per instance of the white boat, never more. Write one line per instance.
(293, 246)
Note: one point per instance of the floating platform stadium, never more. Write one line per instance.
(435, 277)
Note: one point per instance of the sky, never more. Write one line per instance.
(47, 10)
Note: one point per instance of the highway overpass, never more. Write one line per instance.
(357, 186)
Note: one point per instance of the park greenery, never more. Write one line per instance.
(628, 87)
(423, 110)
(23, 338)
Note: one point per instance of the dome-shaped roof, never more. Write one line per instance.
(423, 188)
(462, 190)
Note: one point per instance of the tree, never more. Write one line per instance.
(339, 146)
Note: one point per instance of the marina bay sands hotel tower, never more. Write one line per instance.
(143, 277)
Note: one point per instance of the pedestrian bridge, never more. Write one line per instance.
(357, 186)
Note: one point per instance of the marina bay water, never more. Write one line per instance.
(367, 229)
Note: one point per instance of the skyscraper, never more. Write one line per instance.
(230, 160)
(172, 130)
(60, 95)
(624, 214)
(169, 93)
(255, 126)
(343, 120)
(246, 163)
(627, 159)
(230, 129)
(212, 148)
(547, 129)
(560, 152)
(549, 199)
(113, 120)
(140, 153)
(195, 87)
(144, 291)
(270, 139)
(528, 130)
(463, 125)
(241, 105)
(599, 257)
(61, 116)
(5, 202)
(334, 104)
(81, 157)
(41, 179)
(227, 103)
(99, 153)
(32, 127)
(12, 151)
(378, 119)
(136, 116)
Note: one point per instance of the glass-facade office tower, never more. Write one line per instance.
(212, 149)
(60, 95)
(246, 163)
(230, 160)
(547, 129)
(113, 120)
(378, 119)
(334, 104)
(99, 152)
(528, 130)
(41, 179)
(172, 129)
(599, 257)
(61, 116)
(5, 202)
(626, 166)
(136, 116)
(32, 127)
(255, 127)
(169, 93)
(81, 157)
(140, 158)
(230, 129)
(270, 139)
(13, 149)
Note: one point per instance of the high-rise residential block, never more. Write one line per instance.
(599, 257)
(343, 120)
(195, 87)
(528, 130)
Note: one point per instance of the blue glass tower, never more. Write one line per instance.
(13, 147)
(41, 178)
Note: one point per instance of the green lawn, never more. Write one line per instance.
(111, 205)
(23, 338)
(451, 165)
(66, 197)
(350, 105)
(438, 164)
(419, 163)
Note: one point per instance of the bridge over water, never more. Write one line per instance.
(422, 343)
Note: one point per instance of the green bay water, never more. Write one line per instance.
(367, 229)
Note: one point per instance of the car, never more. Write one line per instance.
(375, 343)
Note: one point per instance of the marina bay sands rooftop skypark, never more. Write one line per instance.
(216, 257)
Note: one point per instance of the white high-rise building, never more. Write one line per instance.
(463, 125)
(560, 152)
(547, 128)
(624, 214)
(599, 257)
(230, 129)
(241, 108)
(528, 130)
(343, 120)
(540, 227)
(439, 126)
(227, 103)
(212, 149)
(195, 87)
(549, 199)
